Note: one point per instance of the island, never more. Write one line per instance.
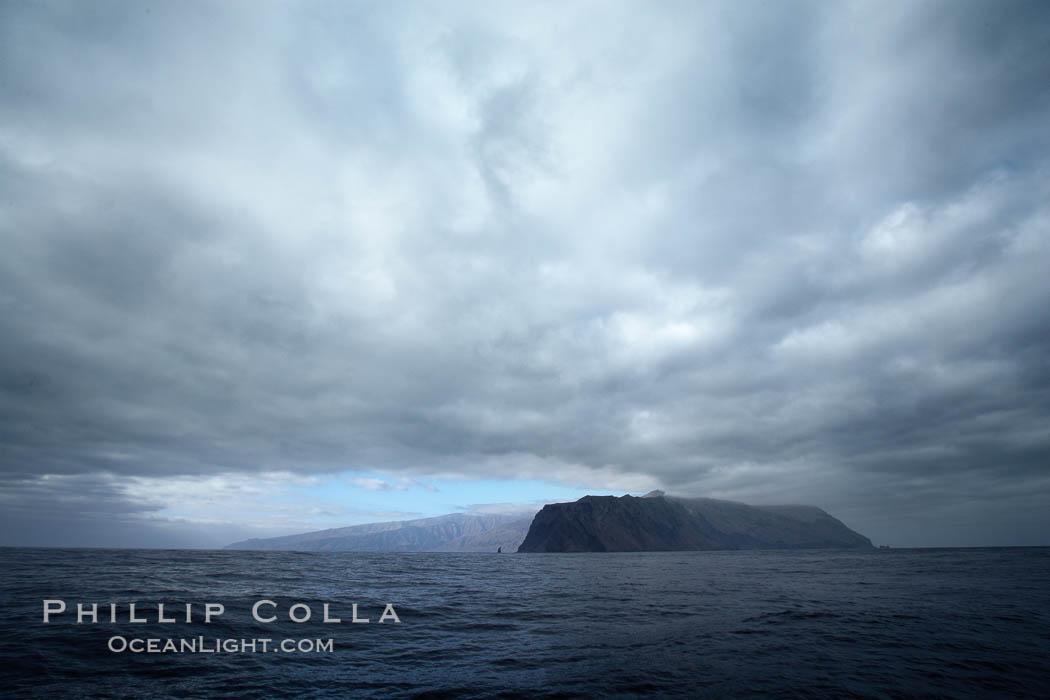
(654, 522)
(658, 522)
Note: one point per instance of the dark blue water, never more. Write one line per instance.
(883, 623)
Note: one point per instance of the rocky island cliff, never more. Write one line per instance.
(657, 522)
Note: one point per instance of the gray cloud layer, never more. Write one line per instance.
(783, 253)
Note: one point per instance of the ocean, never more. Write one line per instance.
(881, 623)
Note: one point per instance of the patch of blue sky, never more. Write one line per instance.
(373, 496)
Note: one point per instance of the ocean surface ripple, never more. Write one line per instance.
(884, 623)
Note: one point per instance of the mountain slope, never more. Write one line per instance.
(458, 532)
(662, 523)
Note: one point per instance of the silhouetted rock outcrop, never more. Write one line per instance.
(657, 522)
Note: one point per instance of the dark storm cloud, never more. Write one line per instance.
(787, 253)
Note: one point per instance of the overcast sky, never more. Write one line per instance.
(270, 267)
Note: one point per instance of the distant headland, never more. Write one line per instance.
(458, 532)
